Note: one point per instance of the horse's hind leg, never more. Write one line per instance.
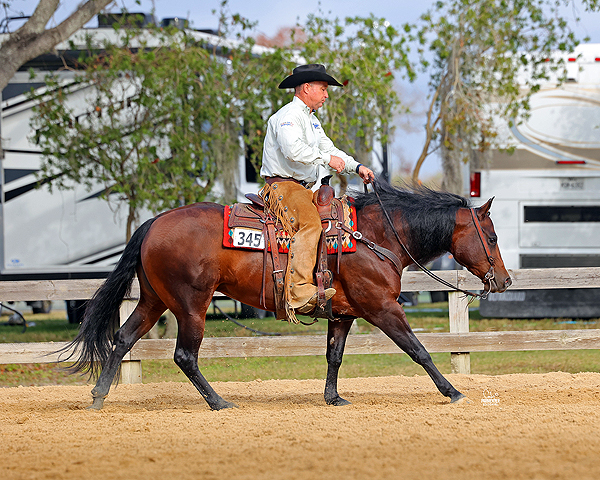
(337, 332)
(189, 337)
(137, 325)
(394, 325)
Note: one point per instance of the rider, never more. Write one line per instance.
(294, 148)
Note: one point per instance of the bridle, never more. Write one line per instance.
(490, 273)
(488, 276)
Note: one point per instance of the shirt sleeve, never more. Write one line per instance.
(327, 146)
(290, 136)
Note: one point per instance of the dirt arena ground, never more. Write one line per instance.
(517, 427)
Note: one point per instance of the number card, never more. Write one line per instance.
(248, 238)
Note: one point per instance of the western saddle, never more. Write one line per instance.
(330, 209)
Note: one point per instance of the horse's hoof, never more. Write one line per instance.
(462, 400)
(97, 404)
(338, 402)
(222, 405)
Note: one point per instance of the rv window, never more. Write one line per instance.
(559, 261)
(562, 214)
(16, 89)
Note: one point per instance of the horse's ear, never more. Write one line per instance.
(485, 208)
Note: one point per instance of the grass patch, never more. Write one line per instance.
(425, 318)
(266, 368)
(43, 327)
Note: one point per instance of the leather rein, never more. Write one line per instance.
(490, 258)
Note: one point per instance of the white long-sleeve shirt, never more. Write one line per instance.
(296, 145)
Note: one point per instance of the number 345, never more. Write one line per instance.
(248, 238)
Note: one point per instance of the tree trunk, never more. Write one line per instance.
(171, 330)
(32, 39)
(452, 180)
(429, 130)
(131, 217)
(343, 184)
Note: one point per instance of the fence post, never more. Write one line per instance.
(131, 370)
(458, 309)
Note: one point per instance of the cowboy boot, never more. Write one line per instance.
(309, 306)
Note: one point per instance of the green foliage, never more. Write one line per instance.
(254, 80)
(365, 54)
(475, 52)
(166, 112)
(158, 129)
(590, 5)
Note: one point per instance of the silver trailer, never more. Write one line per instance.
(68, 234)
(547, 205)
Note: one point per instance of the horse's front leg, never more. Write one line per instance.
(394, 324)
(337, 332)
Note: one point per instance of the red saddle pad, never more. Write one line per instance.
(252, 239)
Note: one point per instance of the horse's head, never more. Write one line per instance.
(475, 246)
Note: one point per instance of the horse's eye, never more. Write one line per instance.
(493, 240)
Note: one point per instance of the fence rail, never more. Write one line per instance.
(526, 279)
(459, 341)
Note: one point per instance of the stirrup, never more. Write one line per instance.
(311, 305)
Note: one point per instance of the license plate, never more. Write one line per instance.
(248, 238)
(571, 184)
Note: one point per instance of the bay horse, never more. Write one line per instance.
(180, 262)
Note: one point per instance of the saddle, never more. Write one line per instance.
(249, 225)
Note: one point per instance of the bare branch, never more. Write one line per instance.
(39, 18)
(32, 39)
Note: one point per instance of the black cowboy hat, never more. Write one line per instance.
(308, 73)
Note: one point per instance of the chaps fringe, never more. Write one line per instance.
(273, 205)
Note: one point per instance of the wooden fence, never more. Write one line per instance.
(459, 341)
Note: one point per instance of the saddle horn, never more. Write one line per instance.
(325, 180)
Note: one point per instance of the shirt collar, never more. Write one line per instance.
(305, 108)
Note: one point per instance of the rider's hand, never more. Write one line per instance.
(366, 174)
(337, 163)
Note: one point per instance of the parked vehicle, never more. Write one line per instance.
(547, 205)
(49, 235)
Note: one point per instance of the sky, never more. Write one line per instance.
(271, 15)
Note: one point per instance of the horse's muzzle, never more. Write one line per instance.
(499, 282)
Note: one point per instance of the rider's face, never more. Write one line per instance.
(316, 94)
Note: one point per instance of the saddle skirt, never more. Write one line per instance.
(243, 225)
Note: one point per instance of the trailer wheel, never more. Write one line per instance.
(75, 310)
(42, 306)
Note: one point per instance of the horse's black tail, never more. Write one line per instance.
(93, 343)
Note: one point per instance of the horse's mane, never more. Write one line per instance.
(428, 214)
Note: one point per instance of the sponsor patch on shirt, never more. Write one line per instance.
(287, 124)
(316, 125)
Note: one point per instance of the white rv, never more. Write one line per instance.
(64, 234)
(547, 206)
(59, 234)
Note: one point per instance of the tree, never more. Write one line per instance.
(165, 121)
(365, 54)
(159, 129)
(165, 118)
(478, 50)
(257, 98)
(33, 38)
